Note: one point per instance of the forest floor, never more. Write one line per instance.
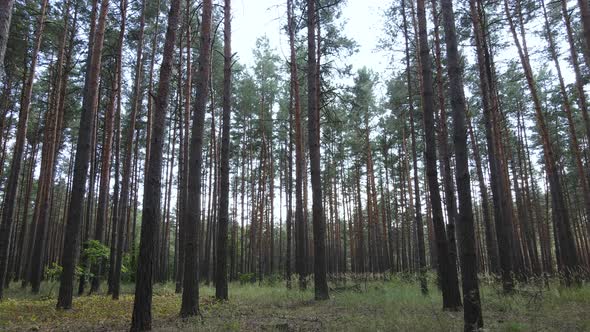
(393, 305)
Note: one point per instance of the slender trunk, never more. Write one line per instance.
(183, 185)
(313, 124)
(567, 248)
(472, 316)
(192, 217)
(221, 270)
(299, 159)
(150, 99)
(582, 105)
(574, 145)
(105, 177)
(142, 318)
(74, 221)
(418, 204)
(15, 165)
(445, 156)
(120, 220)
(49, 154)
(491, 244)
(5, 17)
(503, 218)
(585, 11)
(450, 288)
(289, 182)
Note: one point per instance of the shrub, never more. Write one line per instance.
(53, 272)
(247, 278)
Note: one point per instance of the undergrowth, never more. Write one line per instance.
(395, 304)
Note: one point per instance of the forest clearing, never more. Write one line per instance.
(392, 305)
(294, 165)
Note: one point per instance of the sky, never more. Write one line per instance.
(255, 18)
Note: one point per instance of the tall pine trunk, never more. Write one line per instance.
(9, 207)
(74, 219)
(503, 219)
(192, 215)
(472, 316)
(449, 286)
(585, 11)
(105, 177)
(142, 305)
(51, 141)
(221, 270)
(568, 253)
(313, 124)
(5, 17)
(418, 204)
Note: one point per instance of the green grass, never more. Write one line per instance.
(393, 305)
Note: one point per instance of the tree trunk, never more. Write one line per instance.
(450, 287)
(74, 221)
(585, 12)
(190, 294)
(15, 165)
(142, 318)
(5, 16)
(445, 156)
(560, 212)
(150, 99)
(105, 177)
(221, 270)
(503, 218)
(119, 219)
(582, 104)
(313, 124)
(491, 244)
(418, 204)
(299, 158)
(49, 154)
(574, 145)
(473, 320)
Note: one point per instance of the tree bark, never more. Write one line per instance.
(221, 270)
(5, 17)
(582, 104)
(491, 244)
(567, 248)
(585, 12)
(450, 286)
(142, 318)
(472, 317)
(119, 219)
(105, 177)
(313, 124)
(51, 139)
(74, 220)
(190, 293)
(418, 204)
(21, 132)
(574, 145)
(503, 219)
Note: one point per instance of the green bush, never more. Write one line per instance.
(273, 280)
(53, 272)
(95, 251)
(128, 268)
(247, 278)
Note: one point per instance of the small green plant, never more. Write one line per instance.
(247, 278)
(128, 268)
(273, 279)
(95, 251)
(53, 272)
